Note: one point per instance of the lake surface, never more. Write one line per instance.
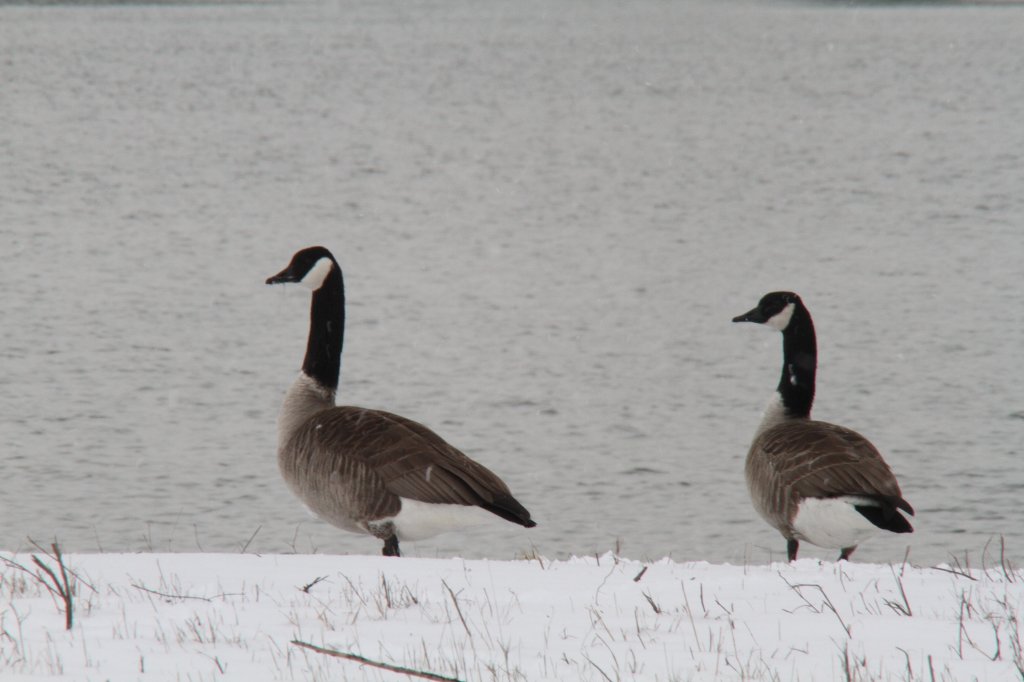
(547, 215)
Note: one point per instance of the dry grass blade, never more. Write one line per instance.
(55, 553)
(955, 571)
(827, 603)
(1004, 563)
(597, 668)
(654, 604)
(249, 541)
(313, 583)
(59, 588)
(168, 595)
(457, 609)
(376, 664)
(903, 608)
(689, 612)
(62, 587)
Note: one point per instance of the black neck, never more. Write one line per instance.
(326, 331)
(799, 364)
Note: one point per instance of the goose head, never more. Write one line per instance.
(774, 310)
(308, 267)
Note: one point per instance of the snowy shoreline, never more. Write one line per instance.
(219, 616)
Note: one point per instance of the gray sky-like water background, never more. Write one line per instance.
(547, 214)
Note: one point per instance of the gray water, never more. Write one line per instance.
(547, 214)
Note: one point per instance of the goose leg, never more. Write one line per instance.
(791, 547)
(845, 554)
(391, 546)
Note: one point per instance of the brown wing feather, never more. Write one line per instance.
(411, 461)
(804, 458)
(338, 487)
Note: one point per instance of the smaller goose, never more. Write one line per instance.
(812, 480)
(369, 471)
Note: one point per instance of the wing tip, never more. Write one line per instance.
(508, 508)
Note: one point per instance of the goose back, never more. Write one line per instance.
(794, 460)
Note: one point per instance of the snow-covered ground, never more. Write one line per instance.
(240, 617)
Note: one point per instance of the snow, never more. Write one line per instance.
(236, 617)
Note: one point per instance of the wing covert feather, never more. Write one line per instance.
(409, 459)
(818, 459)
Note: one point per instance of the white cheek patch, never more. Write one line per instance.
(780, 320)
(314, 279)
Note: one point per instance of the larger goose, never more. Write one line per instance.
(369, 471)
(812, 480)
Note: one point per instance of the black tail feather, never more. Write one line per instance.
(887, 517)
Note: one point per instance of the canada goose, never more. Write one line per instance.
(812, 480)
(369, 471)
